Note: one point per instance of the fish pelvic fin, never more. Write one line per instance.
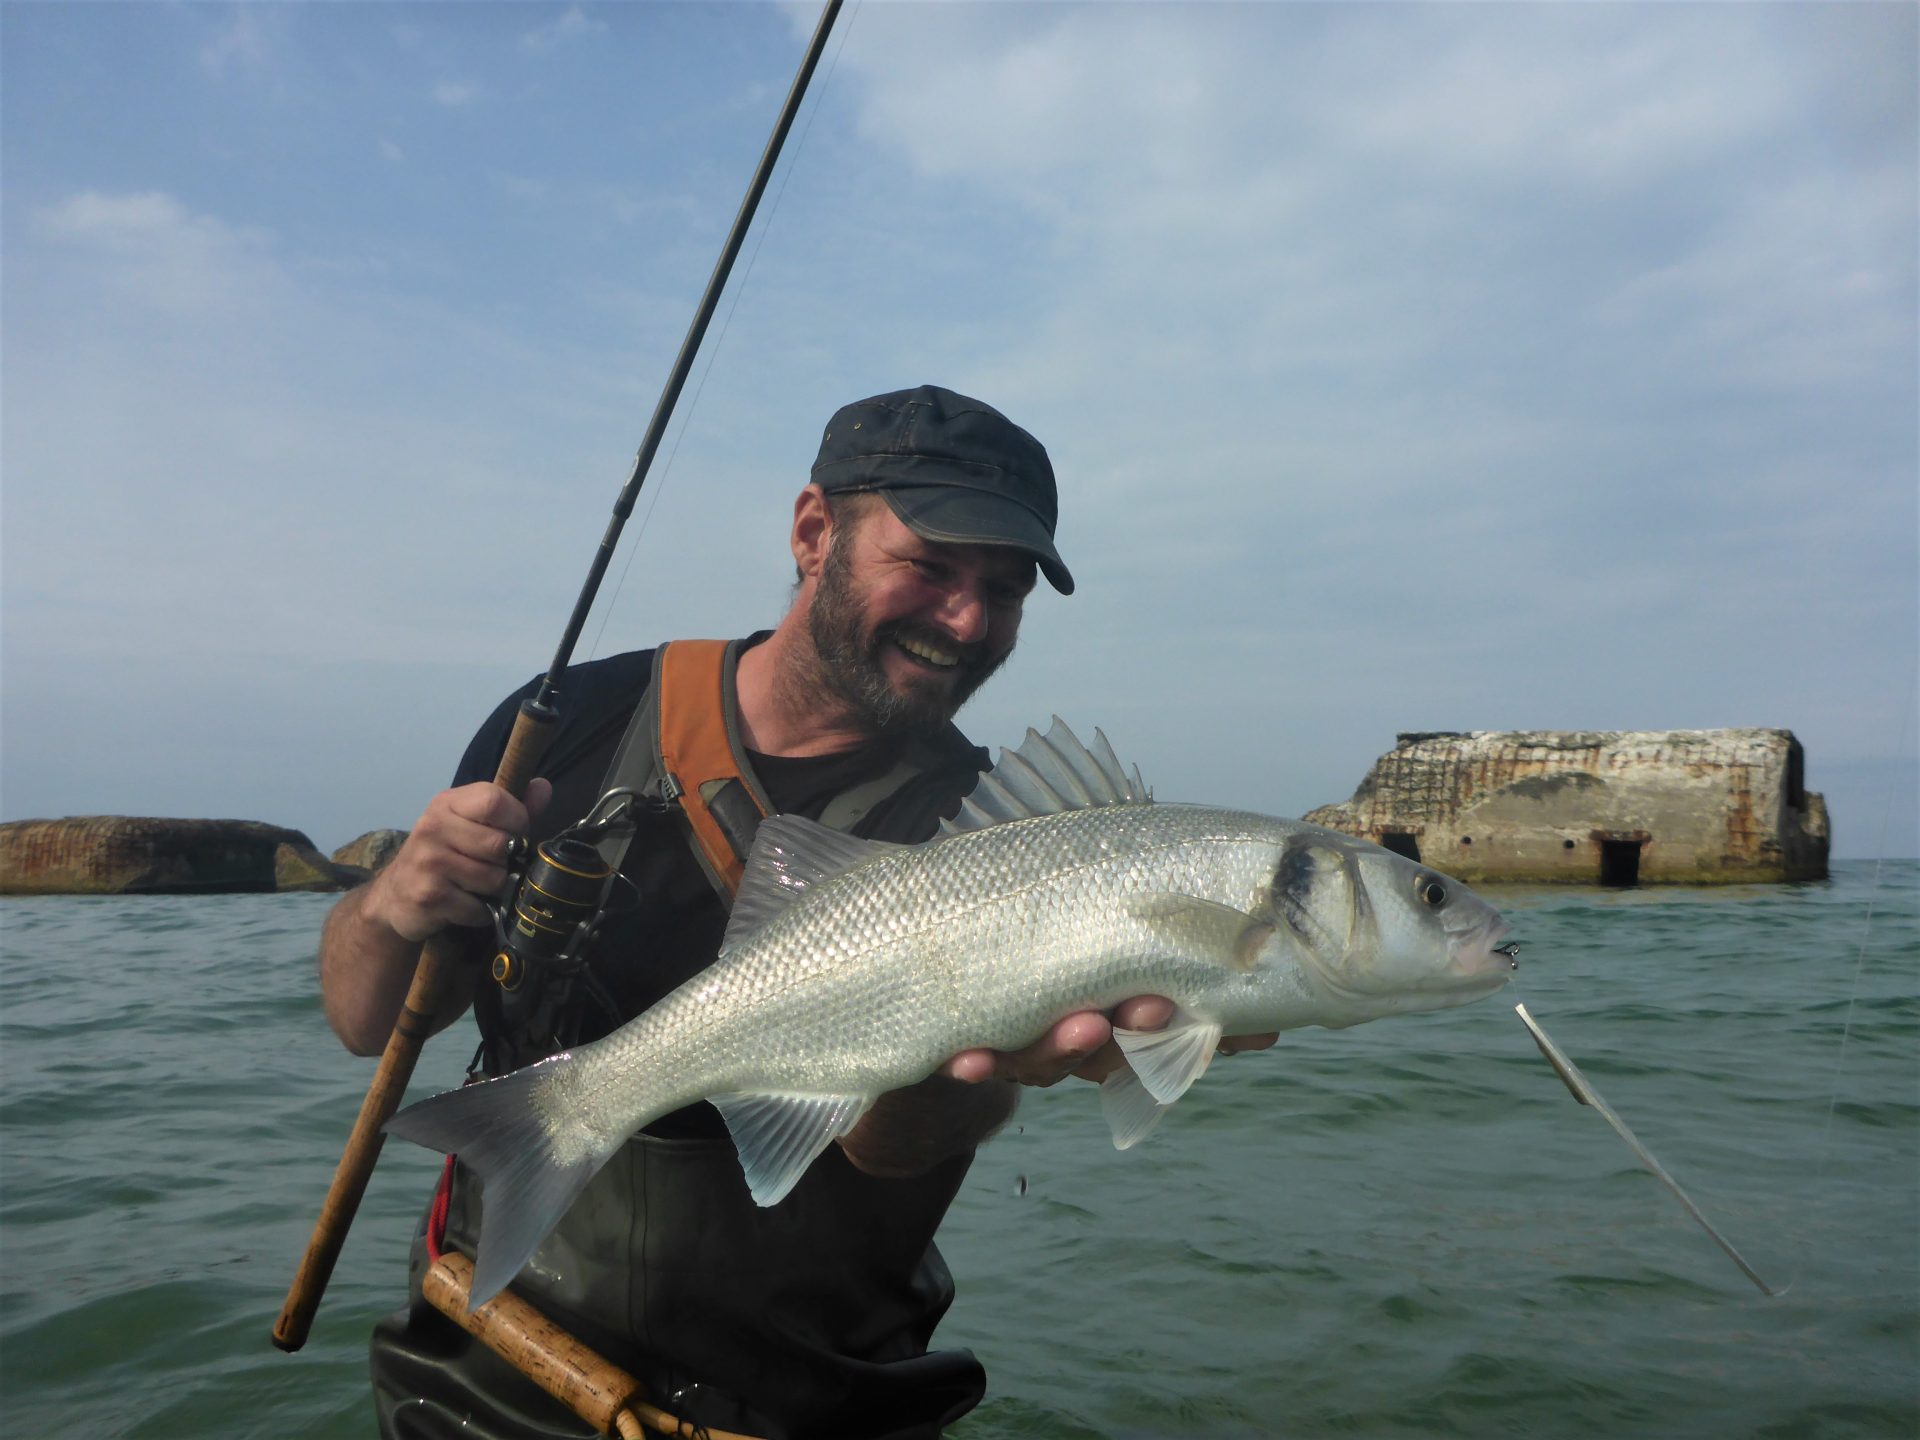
(1168, 1061)
(791, 854)
(780, 1135)
(1049, 774)
(532, 1164)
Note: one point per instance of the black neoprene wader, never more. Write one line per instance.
(810, 1317)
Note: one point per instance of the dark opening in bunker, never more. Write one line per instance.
(1620, 862)
(1401, 842)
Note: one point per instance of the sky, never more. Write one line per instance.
(1404, 368)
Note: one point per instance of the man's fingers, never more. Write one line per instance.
(973, 1066)
(1143, 1012)
(460, 836)
(487, 804)
(539, 792)
(1078, 1044)
(1073, 1038)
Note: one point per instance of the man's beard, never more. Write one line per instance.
(851, 667)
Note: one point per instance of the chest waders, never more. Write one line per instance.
(824, 1304)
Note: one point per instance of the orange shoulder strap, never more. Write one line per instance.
(702, 765)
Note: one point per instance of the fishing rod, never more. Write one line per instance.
(526, 747)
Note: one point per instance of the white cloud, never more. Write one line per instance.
(455, 94)
(149, 248)
(391, 152)
(523, 188)
(238, 42)
(572, 24)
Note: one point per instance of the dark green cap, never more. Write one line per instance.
(956, 471)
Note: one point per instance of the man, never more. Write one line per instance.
(916, 544)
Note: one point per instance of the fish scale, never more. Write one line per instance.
(852, 968)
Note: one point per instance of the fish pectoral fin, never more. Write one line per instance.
(1168, 1061)
(792, 854)
(779, 1135)
(1191, 925)
(1131, 1112)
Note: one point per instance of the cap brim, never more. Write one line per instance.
(952, 515)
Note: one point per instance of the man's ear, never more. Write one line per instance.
(812, 531)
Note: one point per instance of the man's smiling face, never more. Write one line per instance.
(907, 629)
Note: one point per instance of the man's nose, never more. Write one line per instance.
(964, 614)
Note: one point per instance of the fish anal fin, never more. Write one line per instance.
(1168, 1061)
(779, 1135)
(1130, 1110)
(1191, 925)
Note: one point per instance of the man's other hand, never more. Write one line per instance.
(1081, 1044)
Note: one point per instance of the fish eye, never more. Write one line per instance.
(1430, 890)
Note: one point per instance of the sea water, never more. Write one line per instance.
(1405, 1229)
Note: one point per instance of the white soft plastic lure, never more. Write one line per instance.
(852, 967)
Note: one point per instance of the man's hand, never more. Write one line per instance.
(909, 1131)
(1081, 1044)
(454, 861)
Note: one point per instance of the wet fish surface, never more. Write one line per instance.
(853, 967)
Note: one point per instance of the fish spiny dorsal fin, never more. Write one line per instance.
(1049, 774)
(791, 854)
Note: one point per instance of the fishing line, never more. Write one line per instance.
(1583, 1091)
(720, 340)
(1853, 993)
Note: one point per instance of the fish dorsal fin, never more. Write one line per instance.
(792, 854)
(1049, 774)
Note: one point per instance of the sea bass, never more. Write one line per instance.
(852, 967)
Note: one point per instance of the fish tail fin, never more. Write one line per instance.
(532, 1161)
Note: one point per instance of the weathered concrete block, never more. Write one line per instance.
(1691, 807)
(126, 855)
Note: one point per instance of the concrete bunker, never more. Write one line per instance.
(1615, 808)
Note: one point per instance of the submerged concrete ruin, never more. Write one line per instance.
(1594, 807)
(153, 855)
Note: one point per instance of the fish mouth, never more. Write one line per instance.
(1480, 956)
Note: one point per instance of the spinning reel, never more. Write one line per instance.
(551, 910)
